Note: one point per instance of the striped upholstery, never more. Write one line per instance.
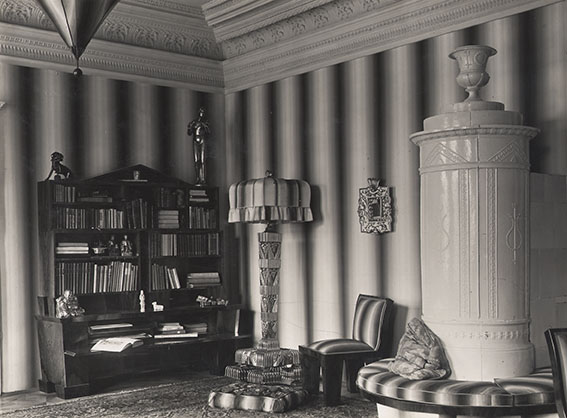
(535, 389)
(339, 345)
(375, 378)
(371, 339)
(557, 344)
(369, 318)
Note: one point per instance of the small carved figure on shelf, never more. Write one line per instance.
(126, 247)
(68, 305)
(113, 249)
(210, 301)
(61, 171)
(199, 129)
(98, 248)
(142, 301)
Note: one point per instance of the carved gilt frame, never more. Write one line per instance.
(375, 208)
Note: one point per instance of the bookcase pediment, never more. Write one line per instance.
(137, 173)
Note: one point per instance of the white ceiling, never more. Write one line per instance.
(228, 45)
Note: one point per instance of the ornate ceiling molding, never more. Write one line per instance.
(348, 29)
(230, 45)
(231, 19)
(44, 49)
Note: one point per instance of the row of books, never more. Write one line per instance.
(88, 277)
(164, 245)
(64, 194)
(64, 248)
(198, 217)
(135, 216)
(193, 217)
(164, 197)
(89, 218)
(201, 279)
(137, 212)
(164, 277)
(176, 198)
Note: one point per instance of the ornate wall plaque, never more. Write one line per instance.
(375, 208)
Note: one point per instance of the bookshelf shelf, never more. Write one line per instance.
(83, 228)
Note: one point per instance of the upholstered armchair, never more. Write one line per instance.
(371, 340)
(557, 345)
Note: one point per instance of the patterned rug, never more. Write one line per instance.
(183, 399)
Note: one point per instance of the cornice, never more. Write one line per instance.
(44, 49)
(230, 19)
(383, 25)
(231, 45)
(162, 25)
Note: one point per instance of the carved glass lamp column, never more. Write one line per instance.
(474, 169)
(270, 201)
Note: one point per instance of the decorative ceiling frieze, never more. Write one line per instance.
(38, 48)
(164, 27)
(231, 19)
(348, 29)
(229, 45)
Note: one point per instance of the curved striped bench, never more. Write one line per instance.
(531, 394)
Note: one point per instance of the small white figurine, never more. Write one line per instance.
(142, 301)
(157, 308)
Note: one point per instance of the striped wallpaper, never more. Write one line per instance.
(334, 127)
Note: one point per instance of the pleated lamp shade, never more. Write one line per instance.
(270, 200)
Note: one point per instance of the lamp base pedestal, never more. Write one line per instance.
(266, 366)
(267, 362)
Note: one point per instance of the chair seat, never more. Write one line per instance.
(339, 345)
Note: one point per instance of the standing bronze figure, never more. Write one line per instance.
(199, 129)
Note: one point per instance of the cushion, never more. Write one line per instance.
(420, 354)
(256, 397)
(339, 345)
(377, 379)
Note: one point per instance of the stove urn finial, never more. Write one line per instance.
(472, 61)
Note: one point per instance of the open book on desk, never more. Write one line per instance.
(116, 344)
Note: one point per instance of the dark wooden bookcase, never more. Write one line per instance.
(173, 227)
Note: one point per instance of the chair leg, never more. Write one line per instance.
(332, 381)
(352, 368)
(310, 366)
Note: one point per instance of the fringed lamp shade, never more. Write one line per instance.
(270, 200)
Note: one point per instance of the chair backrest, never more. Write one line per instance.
(557, 345)
(372, 322)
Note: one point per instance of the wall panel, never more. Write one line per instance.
(327, 287)
(361, 146)
(289, 133)
(17, 284)
(401, 112)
